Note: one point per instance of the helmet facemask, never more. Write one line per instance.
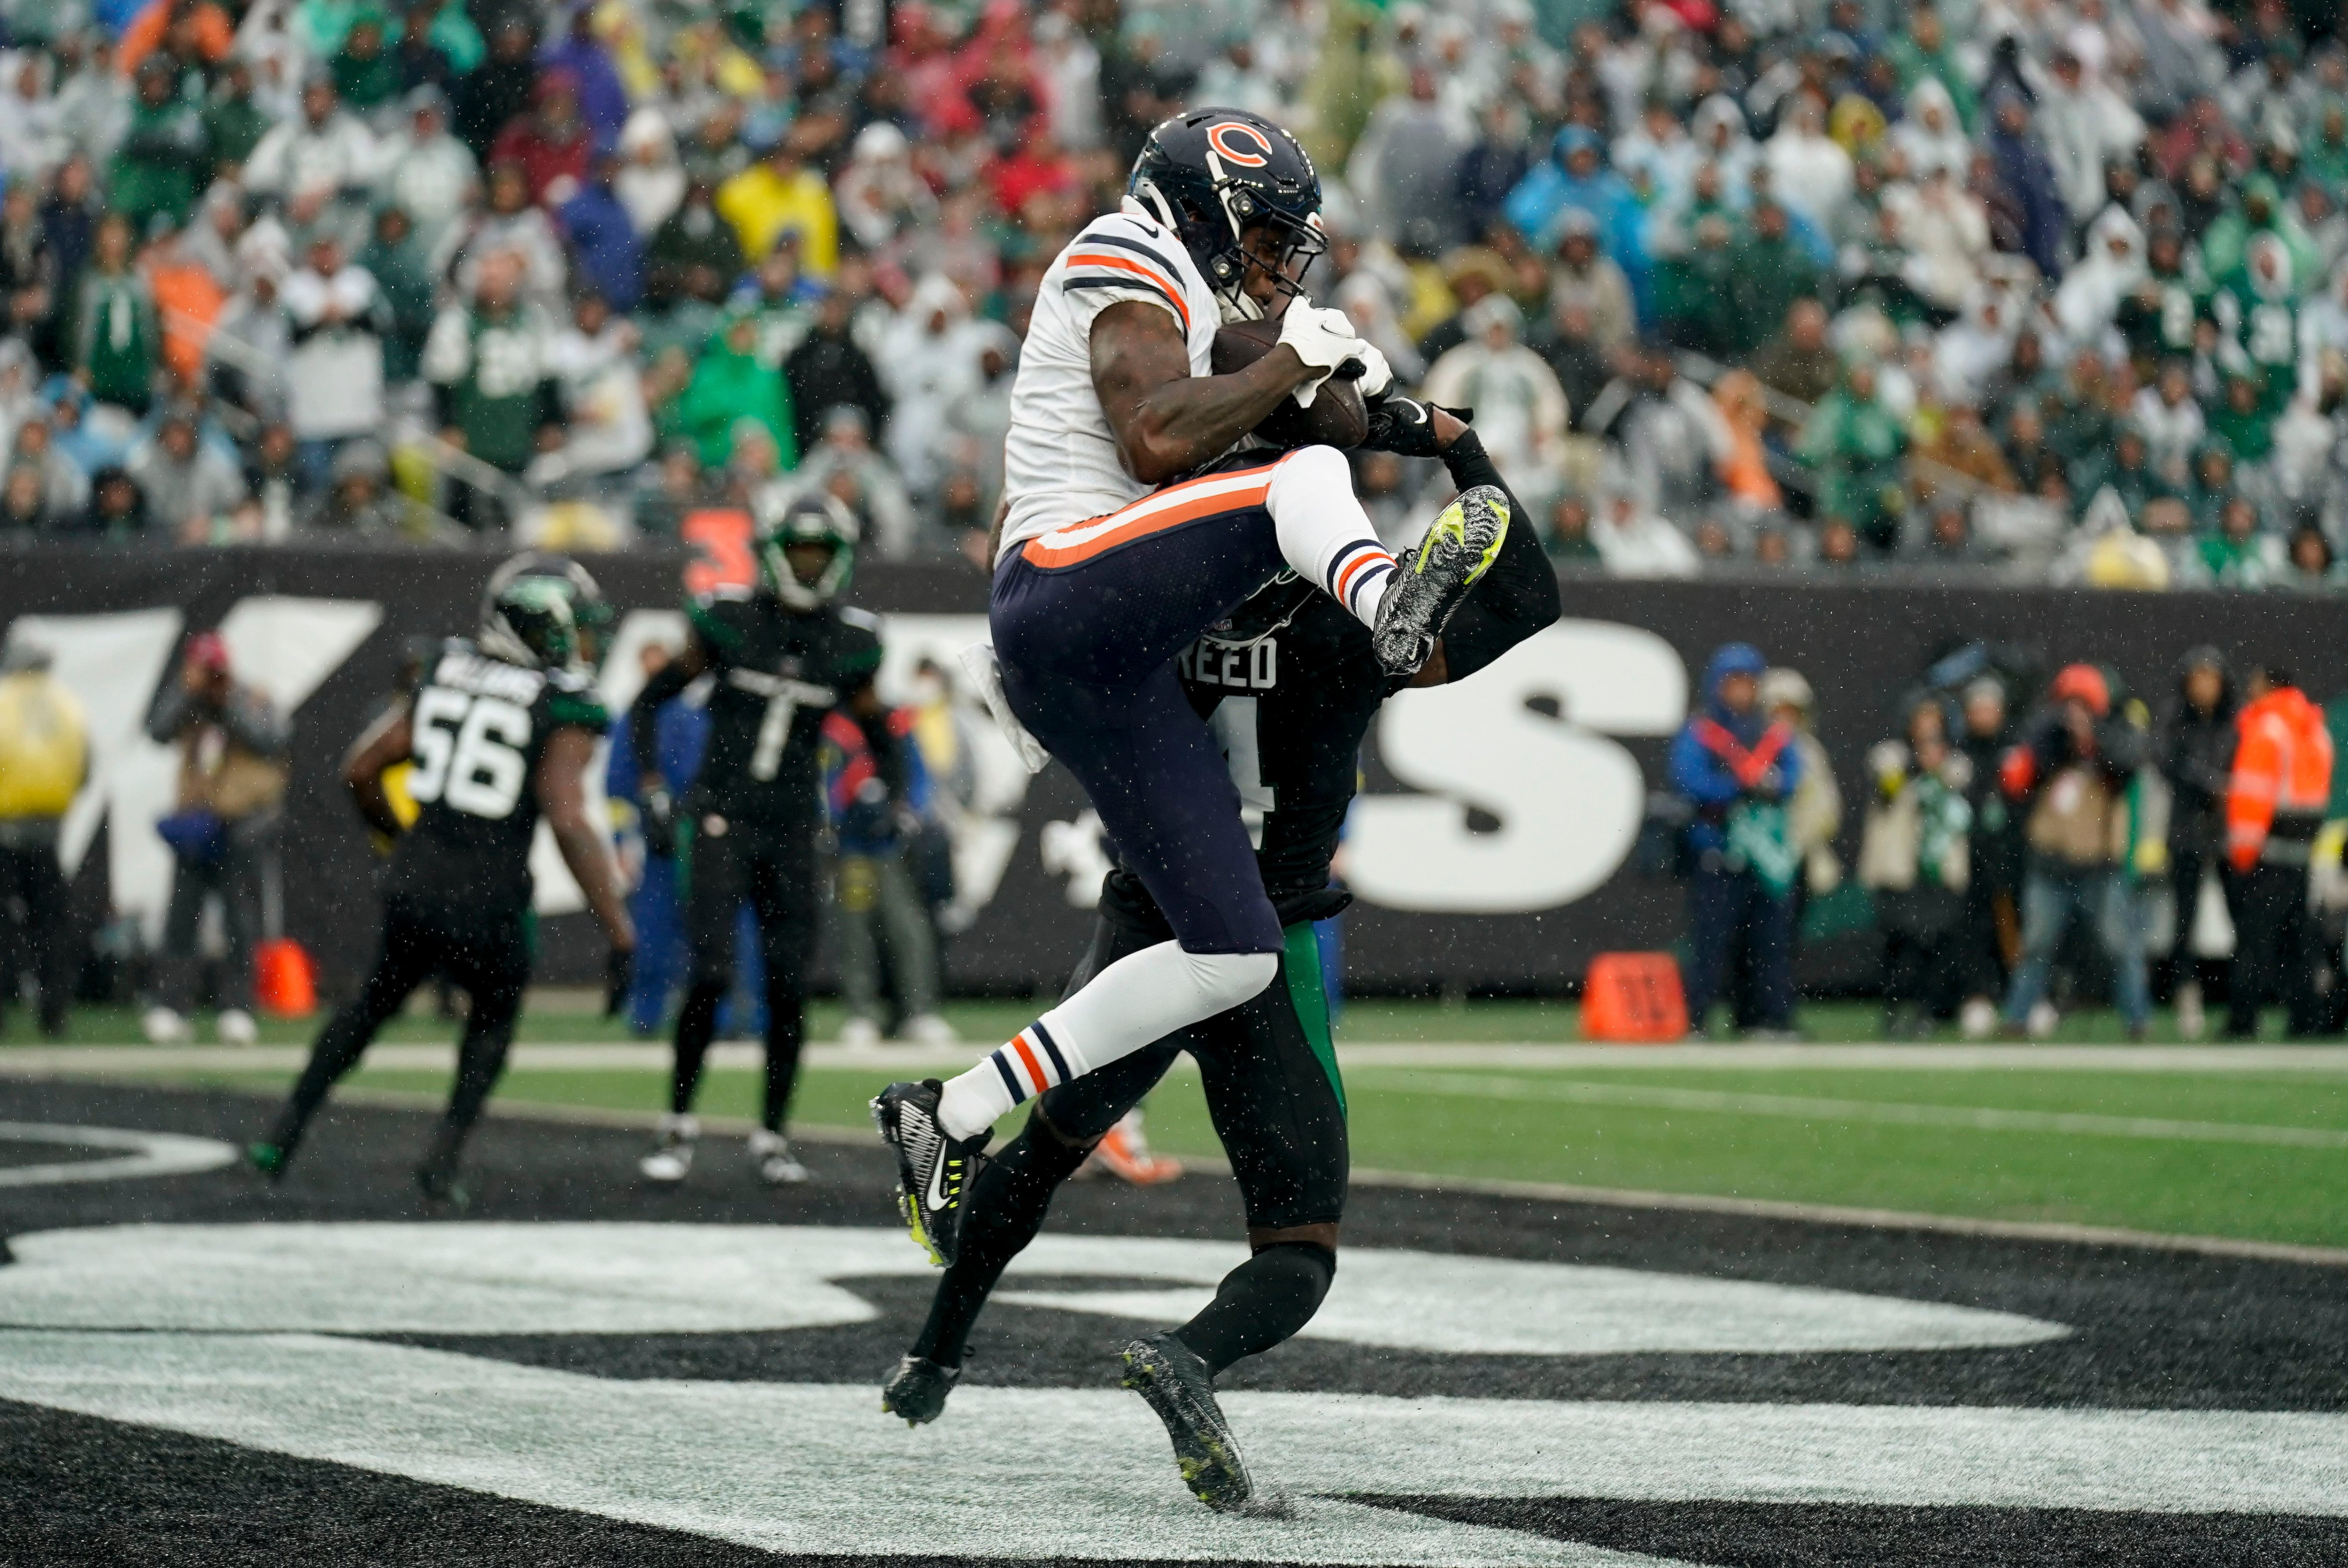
(543, 612)
(807, 520)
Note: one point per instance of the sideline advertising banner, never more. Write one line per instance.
(1491, 849)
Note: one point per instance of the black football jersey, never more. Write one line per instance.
(479, 727)
(1288, 705)
(776, 673)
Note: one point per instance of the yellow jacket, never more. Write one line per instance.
(761, 204)
(44, 746)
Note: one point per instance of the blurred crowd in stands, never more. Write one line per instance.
(2044, 289)
(2027, 844)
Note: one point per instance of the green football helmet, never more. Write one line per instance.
(544, 612)
(808, 517)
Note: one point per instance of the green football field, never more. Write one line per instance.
(2244, 1144)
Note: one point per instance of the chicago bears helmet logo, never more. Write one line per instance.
(1218, 137)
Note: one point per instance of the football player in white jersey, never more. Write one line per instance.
(1117, 552)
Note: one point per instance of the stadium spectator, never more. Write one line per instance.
(358, 501)
(44, 763)
(877, 789)
(549, 145)
(493, 388)
(1814, 810)
(829, 369)
(431, 176)
(2070, 777)
(119, 341)
(1915, 857)
(1520, 407)
(2199, 764)
(2276, 798)
(232, 773)
(164, 151)
(2111, 196)
(336, 316)
(321, 163)
(1736, 769)
(189, 484)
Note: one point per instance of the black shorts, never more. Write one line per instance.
(486, 952)
(1270, 1075)
(773, 867)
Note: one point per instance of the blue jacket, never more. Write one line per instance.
(1544, 194)
(1699, 775)
(680, 735)
(862, 789)
(2023, 167)
(604, 237)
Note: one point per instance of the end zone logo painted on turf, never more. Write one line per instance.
(261, 1335)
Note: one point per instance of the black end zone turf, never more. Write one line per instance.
(2152, 1330)
(1851, 1535)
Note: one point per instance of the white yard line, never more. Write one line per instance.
(1805, 1108)
(896, 1060)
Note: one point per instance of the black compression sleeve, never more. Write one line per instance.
(1007, 1205)
(1518, 596)
(643, 740)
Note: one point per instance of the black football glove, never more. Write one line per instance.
(657, 812)
(619, 979)
(1405, 426)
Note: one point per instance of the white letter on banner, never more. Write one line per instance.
(1569, 801)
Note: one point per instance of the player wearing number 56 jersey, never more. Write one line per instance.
(779, 657)
(499, 732)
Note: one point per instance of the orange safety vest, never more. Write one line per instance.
(2283, 766)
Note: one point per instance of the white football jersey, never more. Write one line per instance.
(1060, 461)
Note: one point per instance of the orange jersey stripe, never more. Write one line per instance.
(1168, 509)
(1173, 294)
(1028, 1060)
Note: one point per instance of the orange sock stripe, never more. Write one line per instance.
(1354, 569)
(1028, 1060)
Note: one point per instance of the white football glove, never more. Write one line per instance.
(1323, 339)
(1378, 375)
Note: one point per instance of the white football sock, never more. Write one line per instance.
(1140, 998)
(1325, 535)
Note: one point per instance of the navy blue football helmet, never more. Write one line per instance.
(1211, 175)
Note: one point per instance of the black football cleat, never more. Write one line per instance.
(443, 1191)
(934, 1169)
(1171, 1376)
(1431, 581)
(917, 1390)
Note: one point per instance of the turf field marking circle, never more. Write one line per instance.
(592, 1277)
(144, 1154)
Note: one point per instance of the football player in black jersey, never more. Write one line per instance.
(498, 731)
(1290, 684)
(781, 656)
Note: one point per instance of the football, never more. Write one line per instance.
(1337, 417)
